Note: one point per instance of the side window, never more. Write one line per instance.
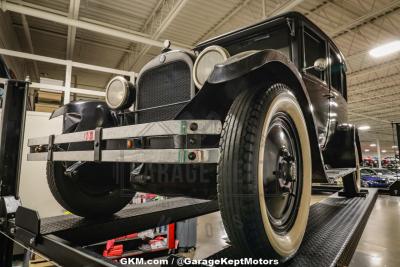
(336, 71)
(314, 48)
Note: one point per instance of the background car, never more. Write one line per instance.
(370, 179)
(386, 173)
(370, 162)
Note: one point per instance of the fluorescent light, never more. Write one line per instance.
(372, 145)
(394, 146)
(385, 49)
(383, 151)
(366, 150)
(364, 127)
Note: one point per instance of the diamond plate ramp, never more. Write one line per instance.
(334, 228)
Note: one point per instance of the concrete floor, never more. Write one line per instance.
(378, 246)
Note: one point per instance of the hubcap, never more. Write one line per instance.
(282, 172)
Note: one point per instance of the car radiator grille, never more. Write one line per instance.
(167, 84)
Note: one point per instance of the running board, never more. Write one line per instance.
(335, 226)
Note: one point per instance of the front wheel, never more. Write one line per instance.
(93, 192)
(264, 173)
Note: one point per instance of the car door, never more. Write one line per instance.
(315, 47)
(337, 93)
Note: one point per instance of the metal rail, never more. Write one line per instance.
(161, 128)
(139, 155)
(164, 156)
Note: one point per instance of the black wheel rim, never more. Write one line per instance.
(282, 172)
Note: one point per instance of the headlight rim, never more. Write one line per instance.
(129, 93)
(221, 50)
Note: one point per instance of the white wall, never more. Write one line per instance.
(34, 191)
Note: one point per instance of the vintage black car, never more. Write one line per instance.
(251, 117)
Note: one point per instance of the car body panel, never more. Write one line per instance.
(247, 69)
(247, 72)
(374, 181)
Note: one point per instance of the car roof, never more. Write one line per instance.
(266, 23)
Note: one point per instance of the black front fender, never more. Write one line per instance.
(85, 115)
(254, 70)
(82, 116)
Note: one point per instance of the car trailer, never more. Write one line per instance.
(63, 239)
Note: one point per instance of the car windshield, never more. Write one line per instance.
(384, 171)
(369, 171)
(276, 38)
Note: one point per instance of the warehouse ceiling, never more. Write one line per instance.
(355, 25)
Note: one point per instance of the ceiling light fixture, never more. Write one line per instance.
(366, 150)
(372, 145)
(394, 146)
(385, 49)
(384, 151)
(364, 127)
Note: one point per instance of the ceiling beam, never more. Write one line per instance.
(375, 68)
(388, 110)
(369, 117)
(28, 38)
(285, 6)
(222, 22)
(376, 13)
(8, 6)
(158, 24)
(132, 46)
(373, 91)
(78, 39)
(65, 14)
(71, 37)
(376, 106)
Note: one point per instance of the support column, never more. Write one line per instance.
(67, 83)
(6, 251)
(378, 149)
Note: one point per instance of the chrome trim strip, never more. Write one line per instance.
(160, 128)
(162, 156)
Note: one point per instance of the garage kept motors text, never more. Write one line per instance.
(176, 261)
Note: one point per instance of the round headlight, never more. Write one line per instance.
(120, 93)
(206, 61)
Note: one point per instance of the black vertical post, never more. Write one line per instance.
(12, 123)
(398, 136)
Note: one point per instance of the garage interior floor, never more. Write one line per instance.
(378, 246)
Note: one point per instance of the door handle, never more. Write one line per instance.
(330, 96)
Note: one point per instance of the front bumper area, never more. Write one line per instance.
(47, 148)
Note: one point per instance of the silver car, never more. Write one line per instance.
(385, 173)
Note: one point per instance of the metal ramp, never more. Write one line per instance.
(334, 228)
(62, 238)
